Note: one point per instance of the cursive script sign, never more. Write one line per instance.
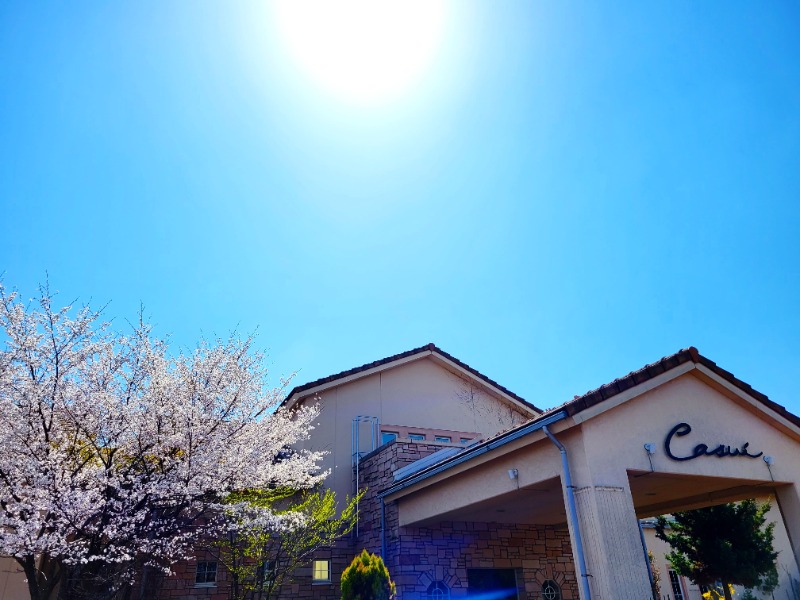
(720, 451)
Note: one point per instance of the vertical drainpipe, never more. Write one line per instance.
(383, 529)
(646, 556)
(584, 576)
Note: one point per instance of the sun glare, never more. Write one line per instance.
(363, 51)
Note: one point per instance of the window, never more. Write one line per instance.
(416, 437)
(206, 574)
(437, 591)
(388, 436)
(465, 440)
(321, 571)
(676, 585)
(267, 572)
(550, 590)
(443, 438)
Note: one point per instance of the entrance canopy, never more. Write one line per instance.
(678, 434)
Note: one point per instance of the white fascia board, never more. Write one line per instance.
(633, 392)
(481, 454)
(341, 381)
(758, 405)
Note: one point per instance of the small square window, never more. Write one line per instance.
(416, 437)
(443, 438)
(206, 574)
(321, 571)
(388, 436)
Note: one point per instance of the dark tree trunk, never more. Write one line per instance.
(94, 581)
(726, 589)
(43, 577)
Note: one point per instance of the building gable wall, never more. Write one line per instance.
(421, 394)
(715, 418)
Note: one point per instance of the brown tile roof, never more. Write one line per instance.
(390, 359)
(604, 392)
(615, 387)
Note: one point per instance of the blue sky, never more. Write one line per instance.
(564, 193)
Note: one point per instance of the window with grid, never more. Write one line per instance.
(206, 574)
(437, 591)
(321, 572)
(550, 590)
(675, 582)
(267, 572)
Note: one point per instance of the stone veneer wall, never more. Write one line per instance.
(180, 585)
(416, 557)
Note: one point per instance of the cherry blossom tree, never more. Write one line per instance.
(118, 454)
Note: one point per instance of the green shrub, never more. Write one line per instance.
(367, 578)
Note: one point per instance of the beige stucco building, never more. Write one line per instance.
(472, 492)
(678, 434)
(12, 580)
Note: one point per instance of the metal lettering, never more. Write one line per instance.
(721, 451)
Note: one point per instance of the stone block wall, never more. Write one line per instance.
(417, 557)
(181, 584)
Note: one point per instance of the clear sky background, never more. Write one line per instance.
(554, 192)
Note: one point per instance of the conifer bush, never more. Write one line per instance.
(367, 578)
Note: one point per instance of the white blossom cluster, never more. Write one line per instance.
(113, 448)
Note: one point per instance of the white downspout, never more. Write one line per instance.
(573, 511)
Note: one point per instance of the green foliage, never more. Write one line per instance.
(769, 581)
(656, 582)
(261, 560)
(748, 595)
(367, 578)
(728, 543)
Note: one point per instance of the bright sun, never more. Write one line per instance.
(363, 51)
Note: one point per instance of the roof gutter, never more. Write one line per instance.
(476, 451)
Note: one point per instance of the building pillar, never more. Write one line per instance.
(788, 497)
(615, 558)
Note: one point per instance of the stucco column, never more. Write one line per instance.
(789, 502)
(612, 544)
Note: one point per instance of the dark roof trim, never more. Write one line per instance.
(428, 348)
(591, 398)
(634, 378)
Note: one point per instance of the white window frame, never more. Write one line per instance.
(438, 590)
(315, 570)
(553, 585)
(267, 572)
(676, 585)
(205, 573)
